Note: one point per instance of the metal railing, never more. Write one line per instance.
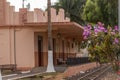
(77, 60)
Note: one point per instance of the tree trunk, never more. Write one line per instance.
(50, 66)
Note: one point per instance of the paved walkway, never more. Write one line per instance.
(66, 71)
(18, 76)
(72, 70)
(35, 71)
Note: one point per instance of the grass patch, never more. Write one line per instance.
(6, 72)
(41, 76)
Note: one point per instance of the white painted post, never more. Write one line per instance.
(50, 66)
(0, 75)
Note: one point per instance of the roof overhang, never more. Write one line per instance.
(68, 29)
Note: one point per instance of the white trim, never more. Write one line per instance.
(9, 75)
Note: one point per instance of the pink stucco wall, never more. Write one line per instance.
(2, 12)
(24, 47)
(9, 16)
(4, 46)
(26, 37)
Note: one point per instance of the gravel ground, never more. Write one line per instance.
(111, 75)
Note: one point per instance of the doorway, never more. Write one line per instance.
(40, 51)
(63, 52)
(54, 52)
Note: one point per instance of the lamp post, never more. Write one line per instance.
(50, 66)
(23, 3)
(58, 36)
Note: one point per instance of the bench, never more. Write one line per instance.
(60, 61)
(8, 67)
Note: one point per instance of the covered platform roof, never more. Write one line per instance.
(68, 29)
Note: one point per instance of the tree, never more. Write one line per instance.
(73, 9)
(105, 11)
(50, 66)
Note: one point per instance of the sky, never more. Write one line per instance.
(34, 3)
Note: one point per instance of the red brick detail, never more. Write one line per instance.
(24, 68)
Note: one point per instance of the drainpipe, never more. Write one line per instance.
(15, 49)
(10, 45)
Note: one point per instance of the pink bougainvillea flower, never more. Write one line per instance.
(101, 28)
(116, 28)
(89, 26)
(100, 24)
(87, 31)
(116, 41)
(85, 37)
(113, 33)
(85, 27)
(105, 30)
(96, 31)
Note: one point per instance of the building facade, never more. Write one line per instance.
(24, 37)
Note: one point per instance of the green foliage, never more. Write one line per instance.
(73, 9)
(105, 11)
(103, 49)
(90, 11)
